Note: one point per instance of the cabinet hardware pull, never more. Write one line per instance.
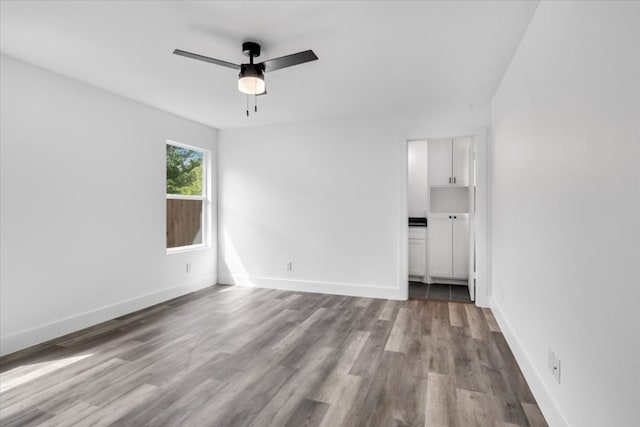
(449, 180)
(454, 179)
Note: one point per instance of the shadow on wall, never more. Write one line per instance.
(235, 267)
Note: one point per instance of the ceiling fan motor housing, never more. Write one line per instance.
(251, 70)
(251, 79)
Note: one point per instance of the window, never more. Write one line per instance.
(187, 200)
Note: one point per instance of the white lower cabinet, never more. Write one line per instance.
(417, 257)
(449, 246)
(440, 247)
(417, 251)
(460, 247)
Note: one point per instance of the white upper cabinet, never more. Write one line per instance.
(449, 161)
(460, 158)
(439, 165)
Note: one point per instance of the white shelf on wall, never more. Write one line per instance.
(449, 200)
(449, 186)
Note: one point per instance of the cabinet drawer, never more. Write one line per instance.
(418, 233)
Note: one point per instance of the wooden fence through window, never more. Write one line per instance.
(184, 222)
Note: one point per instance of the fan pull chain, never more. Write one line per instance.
(255, 97)
(247, 105)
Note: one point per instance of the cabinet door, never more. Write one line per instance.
(460, 248)
(440, 247)
(461, 147)
(439, 164)
(417, 257)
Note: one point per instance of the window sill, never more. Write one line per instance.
(187, 249)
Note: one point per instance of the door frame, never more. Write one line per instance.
(482, 236)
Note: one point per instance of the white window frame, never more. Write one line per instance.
(205, 197)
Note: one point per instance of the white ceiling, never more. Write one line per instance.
(374, 56)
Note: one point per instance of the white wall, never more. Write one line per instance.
(566, 203)
(418, 179)
(325, 195)
(83, 206)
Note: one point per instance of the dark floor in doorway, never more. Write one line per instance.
(436, 291)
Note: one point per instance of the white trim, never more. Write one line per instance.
(206, 155)
(402, 203)
(185, 197)
(483, 260)
(189, 248)
(187, 146)
(545, 402)
(205, 198)
(481, 218)
(348, 289)
(48, 331)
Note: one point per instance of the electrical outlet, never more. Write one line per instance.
(188, 269)
(556, 369)
(553, 364)
(289, 266)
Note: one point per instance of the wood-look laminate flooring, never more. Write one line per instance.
(233, 356)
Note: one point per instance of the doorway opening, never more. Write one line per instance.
(442, 221)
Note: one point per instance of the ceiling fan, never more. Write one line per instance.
(251, 77)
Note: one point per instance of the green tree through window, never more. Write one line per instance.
(184, 171)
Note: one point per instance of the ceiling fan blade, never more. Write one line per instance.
(206, 59)
(289, 60)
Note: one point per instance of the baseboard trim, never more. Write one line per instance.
(545, 402)
(48, 331)
(348, 289)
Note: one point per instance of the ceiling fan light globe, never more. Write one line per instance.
(251, 85)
